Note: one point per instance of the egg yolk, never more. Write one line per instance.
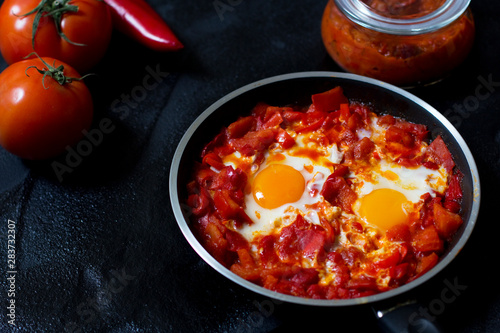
(383, 208)
(277, 185)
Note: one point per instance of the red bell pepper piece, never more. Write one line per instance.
(340, 171)
(229, 179)
(253, 142)
(400, 271)
(225, 206)
(235, 241)
(329, 100)
(354, 122)
(199, 203)
(267, 253)
(213, 160)
(272, 120)
(427, 240)
(214, 241)
(290, 116)
(398, 135)
(454, 194)
(285, 139)
(363, 149)
(344, 112)
(386, 120)
(241, 127)
(337, 192)
(438, 152)
(388, 261)
(137, 19)
(419, 131)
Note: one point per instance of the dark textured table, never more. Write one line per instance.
(97, 246)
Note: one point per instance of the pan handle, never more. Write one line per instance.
(406, 317)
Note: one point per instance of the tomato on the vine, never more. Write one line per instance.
(45, 108)
(74, 31)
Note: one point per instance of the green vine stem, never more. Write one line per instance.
(56, 73)
(55, 9)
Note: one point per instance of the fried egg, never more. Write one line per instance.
(287, 183)
(387, 191)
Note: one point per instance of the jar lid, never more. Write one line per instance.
(362, 14)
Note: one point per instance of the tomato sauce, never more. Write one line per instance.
(403, 60)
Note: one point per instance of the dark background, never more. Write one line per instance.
(101, 250)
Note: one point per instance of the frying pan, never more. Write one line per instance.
(298, 87)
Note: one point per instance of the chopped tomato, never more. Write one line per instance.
(426, 263)
(399, 233)
(445, 221)
(236, 242)
(427, 240)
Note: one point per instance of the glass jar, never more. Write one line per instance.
(405, 43)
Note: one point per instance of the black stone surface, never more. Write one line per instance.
(100, 251)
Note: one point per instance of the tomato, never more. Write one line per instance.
(39, 117)
(86, 32)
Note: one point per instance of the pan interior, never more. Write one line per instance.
(297, 88)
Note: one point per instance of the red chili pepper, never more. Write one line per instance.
(138, 19)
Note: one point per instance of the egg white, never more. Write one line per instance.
(411, 182)
(266, 220)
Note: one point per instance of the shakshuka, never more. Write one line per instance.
(331, 200)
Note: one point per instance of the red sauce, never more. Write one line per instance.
(403, 60)
(405, 8)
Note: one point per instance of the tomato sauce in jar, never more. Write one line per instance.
(405, 43)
